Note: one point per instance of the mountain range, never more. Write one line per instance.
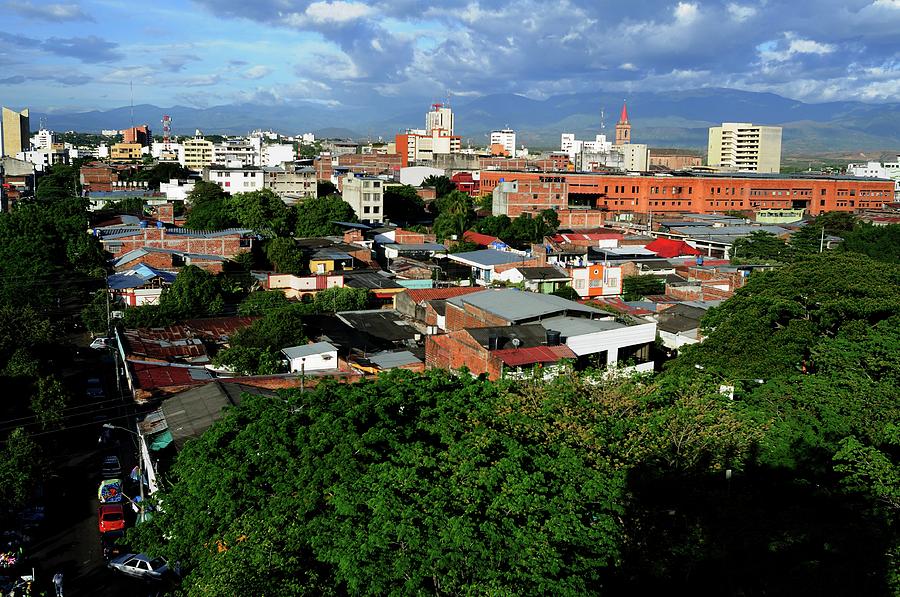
(660, 119)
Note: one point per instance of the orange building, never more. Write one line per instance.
(583, 199)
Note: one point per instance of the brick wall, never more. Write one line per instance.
(222, 246)
(470, 317)
(457, 350)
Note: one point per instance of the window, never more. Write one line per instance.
(366, 209)
(375, 209)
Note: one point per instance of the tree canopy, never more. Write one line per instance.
(316, 217)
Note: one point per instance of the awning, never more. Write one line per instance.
(160, 440)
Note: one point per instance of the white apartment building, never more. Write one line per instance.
(506, 138)
(247, 151)
(365, 194)
(887, 170)
(292, 183)
(176, 190)
(422, 146)
(439, 118)
(197, 153)
(276, 154)
(745, 147)
(635, 156)
(572, 146)
(235, 178)
(44, 139)
(171, 152)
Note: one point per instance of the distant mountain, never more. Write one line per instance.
(670, 119)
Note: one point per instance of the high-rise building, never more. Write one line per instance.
(15, 132)
(745, 147)
(623, 127)
(506, 138)
(138, 134)
(440, 118)
(198, 152)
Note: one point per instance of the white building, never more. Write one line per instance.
(439, 118)
(307, 138)
(309, 358)
(416, 175)
(422, 146)
(506, 138)
(745, 147)
(572, 146)
(635, 156)
(887, 170)
(275, 155)
(247, 151)
(44, 139)
(167, 152)
(176, 190)
(235, 179)
(365, 194)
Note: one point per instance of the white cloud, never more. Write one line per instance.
(338, 11)
(774, 52)
(256, 72)
(628, 66)
(686, 12)
(887, 3)
(51, 11)
(741, 13)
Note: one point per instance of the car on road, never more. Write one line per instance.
(110, 491)
(111, 468)
(94, 388)
(140, 565)
(101, 343)
(110, 546)
(111, 517)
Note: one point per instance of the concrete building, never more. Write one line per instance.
(198, 153)
(886, 170)
(247, 151)
(439, 118)
(126, 152)
(138, 134)
(43, 159)
(290, 182)
(506, 138)
(15, 132)
(320, 356)
(176, 190)
(235, 179)
(365, 194)
(674, 159)
(44, 139)
(416, 175)
(274, 155)
(745, 147)
(635, 156)
(417, 146)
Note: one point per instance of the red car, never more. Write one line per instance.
(112, 517)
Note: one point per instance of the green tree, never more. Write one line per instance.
(263, 302)
(442, 185)
(194, 293)
(317, 217)
(210, 208)
(635, 288)
(285, 256)
(49, 402)
(762, 247)
(262, 211)
(336, 299)
(325, 188)
(19, 471)
(881, 243)
(402, 203)
(567, 292)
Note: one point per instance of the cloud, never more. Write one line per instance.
(741, 13)
(90, 49)
(790, 46)
(177, 63)
(256, 72)
(14, 80)
(337, 11)
(686, 12)
(48, 12)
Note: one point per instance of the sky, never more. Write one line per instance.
(85, 55)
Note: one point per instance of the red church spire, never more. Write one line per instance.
(624, 117)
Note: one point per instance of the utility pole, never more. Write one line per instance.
(822, 240)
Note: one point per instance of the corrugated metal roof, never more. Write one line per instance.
(431, 294)
(516, 305)
(404, 247)
(515, 357)
(389, 360)
(570, 327)
(307, 350)
(487, 257)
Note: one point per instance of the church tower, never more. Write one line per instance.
(623, 127)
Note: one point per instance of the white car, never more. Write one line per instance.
(140, 565)
(101, 343)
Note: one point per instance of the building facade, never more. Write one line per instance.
(506, 138)
(236, 180)
(745, 147)
(125, 152)
(365, 194)
(292, 183)
(198, 153)
(15, 132)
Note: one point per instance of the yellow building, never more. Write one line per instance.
(15, 132)
(125, 152)
(198, 153)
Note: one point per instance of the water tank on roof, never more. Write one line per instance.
(699, 259)
(143, 224)
(553, 337)
(159, 224)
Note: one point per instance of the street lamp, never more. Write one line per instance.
(140, 437)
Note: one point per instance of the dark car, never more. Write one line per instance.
(111, 468)
(111, 546)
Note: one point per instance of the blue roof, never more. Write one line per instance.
(489, 257)
(138, 276)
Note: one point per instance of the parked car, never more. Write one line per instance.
(111, 517)
(94, 388)
(110, 491)
(111, 468)
(110, 545)
(101, 343)
(140, 566)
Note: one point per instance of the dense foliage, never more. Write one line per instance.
(522, 231)
(403, 204)
(635, 288)
(317, 217)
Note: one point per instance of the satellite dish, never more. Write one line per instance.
(516, 342)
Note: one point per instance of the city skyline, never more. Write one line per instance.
(68, 56)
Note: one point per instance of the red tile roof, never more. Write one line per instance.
(430, 294)
(149, 377)
(536, 354)
(667, 247)
(482, 240)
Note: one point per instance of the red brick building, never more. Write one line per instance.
(207, 247)
(137, 134)
(467, 183)
(584, 200)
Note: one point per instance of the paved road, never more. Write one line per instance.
(69, 540)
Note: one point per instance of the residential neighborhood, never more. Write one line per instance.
(243, 357)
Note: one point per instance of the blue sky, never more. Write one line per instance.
(83, 55)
